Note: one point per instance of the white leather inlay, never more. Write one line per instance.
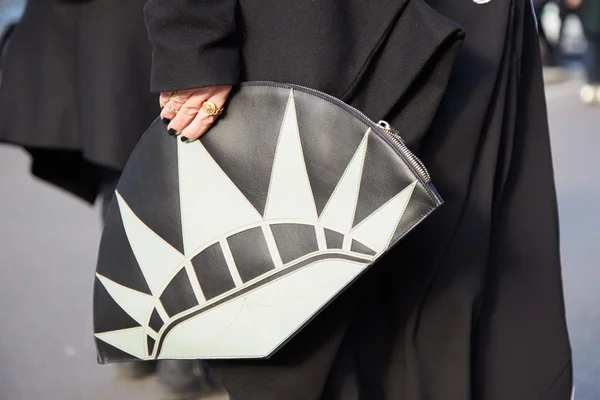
(290, 194)
(341, 207)
(189, 269)
(255, 324)
(272, 246)
(235, 274)
(211, 204)
(131, 341)
(321, 238)
(347, 243)
(162, 312)
(156, 258)
(376, 231)
(138, 305)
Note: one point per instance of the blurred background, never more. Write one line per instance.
(46, 351)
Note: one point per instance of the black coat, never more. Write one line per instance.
(75, 89)
(470, 305)
(340, 47)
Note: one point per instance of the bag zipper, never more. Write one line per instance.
(394, 135)
(383, 128)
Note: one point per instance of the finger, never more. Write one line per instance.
(220, 96)
(202, 122)
(174, 103)
(197, 127)
(187, 113)
(171, 108)
(164, 98)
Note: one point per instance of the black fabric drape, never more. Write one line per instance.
(470, 305)
(75, 88)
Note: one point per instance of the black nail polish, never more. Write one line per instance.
(172, 132)
(184, 139)
(166, 120)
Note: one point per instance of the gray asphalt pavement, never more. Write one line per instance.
(575, 132)
(48, 246)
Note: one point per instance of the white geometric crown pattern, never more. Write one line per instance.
(259, 313)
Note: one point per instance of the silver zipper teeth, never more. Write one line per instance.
(414, 160)
(394, 137)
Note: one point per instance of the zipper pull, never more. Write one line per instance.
(387, 127)
(395, 137)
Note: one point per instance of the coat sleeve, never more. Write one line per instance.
(194, 43)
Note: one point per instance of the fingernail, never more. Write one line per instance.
(172, 132)
(184, 139)
(166, 120)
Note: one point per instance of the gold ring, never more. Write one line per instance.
(211, 108)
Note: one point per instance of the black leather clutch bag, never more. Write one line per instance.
(227, 246)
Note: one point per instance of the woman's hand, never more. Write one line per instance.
(182, 110)
(573, 3)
